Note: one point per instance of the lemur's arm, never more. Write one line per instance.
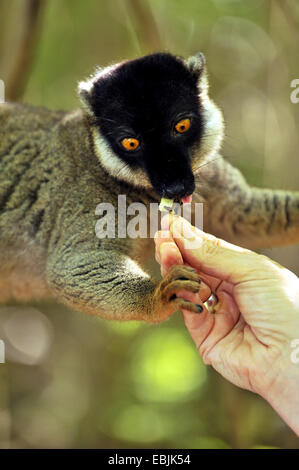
(110, 284)
(245, 215)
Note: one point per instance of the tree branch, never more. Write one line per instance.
(24, 58)
(145, 25)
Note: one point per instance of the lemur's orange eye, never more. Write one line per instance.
(130, 143)
(183, 125)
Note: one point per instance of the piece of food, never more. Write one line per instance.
(170, 205)
(166, 205)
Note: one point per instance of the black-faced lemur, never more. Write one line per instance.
(147, 129)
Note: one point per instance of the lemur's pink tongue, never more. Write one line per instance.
(186, 199)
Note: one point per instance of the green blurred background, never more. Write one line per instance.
(75, 381)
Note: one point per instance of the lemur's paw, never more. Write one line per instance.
(165, 301)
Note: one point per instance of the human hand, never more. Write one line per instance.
(248, 339)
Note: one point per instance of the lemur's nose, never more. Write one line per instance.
(176, 190)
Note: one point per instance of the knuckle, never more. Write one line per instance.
(210, 248)
(203, 351)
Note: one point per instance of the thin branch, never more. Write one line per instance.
(24, 58)
(145, 25)
(290, 17)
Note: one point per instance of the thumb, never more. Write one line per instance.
(219, 258)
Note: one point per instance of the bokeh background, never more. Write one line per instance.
(75, 381)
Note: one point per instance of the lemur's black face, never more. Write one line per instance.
(148, 116)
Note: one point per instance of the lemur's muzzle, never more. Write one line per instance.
(180, 190)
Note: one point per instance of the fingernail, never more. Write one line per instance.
(165, 222)
(182, 228)
(199, 308)
(187, 229)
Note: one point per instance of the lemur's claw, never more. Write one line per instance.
(166, 302)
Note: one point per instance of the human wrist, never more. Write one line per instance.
(281, 386)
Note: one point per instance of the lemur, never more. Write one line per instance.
(147, 129)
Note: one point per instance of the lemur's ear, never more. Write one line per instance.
(84, 91)
(196, 63)
(197, 66)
